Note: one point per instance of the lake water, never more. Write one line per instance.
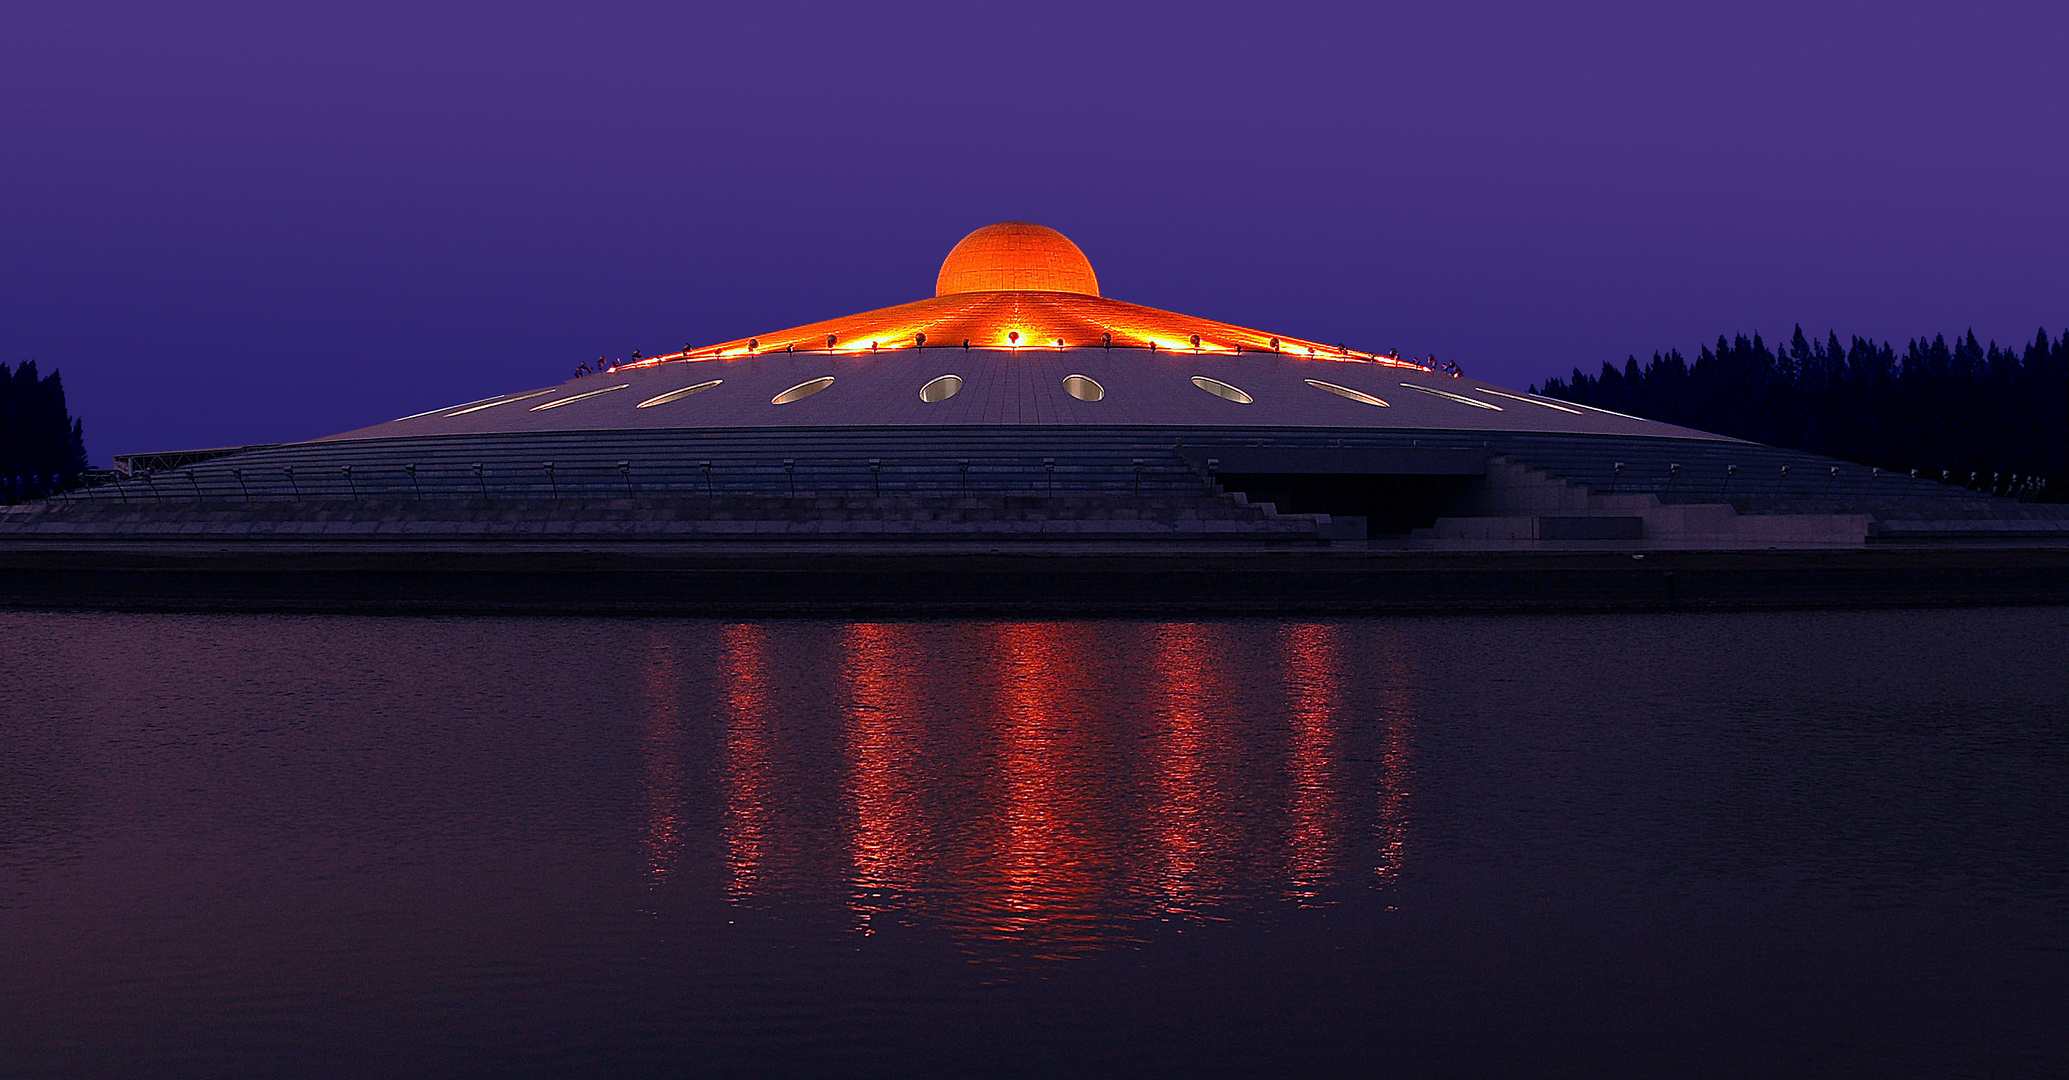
(1802, 844)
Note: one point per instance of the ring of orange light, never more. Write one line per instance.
(1015, 277)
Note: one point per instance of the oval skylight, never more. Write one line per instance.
(802, 390)
(1531, 400)
(427, 412)
(677, 395)
(1432, 391)
(558, 402)
(1083, 387)
(465, 409)
(1221, 389)
(1347, 392)
(941, 389)
(1613, 412)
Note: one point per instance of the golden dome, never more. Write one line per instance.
(1016, 256)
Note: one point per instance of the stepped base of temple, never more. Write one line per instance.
(1406, 488)
(1026, 520)
(1520, 507)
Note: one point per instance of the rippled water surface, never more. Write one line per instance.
(1807, 844)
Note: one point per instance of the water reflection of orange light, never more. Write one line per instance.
(1181, 823)
(749, 769)
(1002, 787)
(1045, 863)
(885, 737)
(661, 752)
(1390, 829)
(1313, 684)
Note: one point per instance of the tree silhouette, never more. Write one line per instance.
(1962, 407)
(42, 448)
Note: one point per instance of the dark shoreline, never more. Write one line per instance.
(668, 580)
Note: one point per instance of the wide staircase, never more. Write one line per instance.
(982, 485)
(1755, 479)
(1049, 482)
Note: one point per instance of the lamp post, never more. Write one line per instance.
(238, 473)
(349, 485)
(1049, 466)
(1616, 475)
(790, 471)
(411, 469)
(1138, 477)
(962, 466)
(481, 482)
(551, 484)
(709, 492)
(876, 468)
(625, 472)
(289, 472)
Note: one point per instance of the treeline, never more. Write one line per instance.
(1936, 407)
(42, 448)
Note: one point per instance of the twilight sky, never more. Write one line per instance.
(235, 223)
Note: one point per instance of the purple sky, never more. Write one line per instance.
(250, 223)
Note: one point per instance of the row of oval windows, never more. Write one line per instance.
(1081, 387)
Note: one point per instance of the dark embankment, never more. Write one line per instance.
(659, 580)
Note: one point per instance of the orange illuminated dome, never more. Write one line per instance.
(1015, 256)
(1020, 286)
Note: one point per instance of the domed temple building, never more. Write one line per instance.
(1019, 409)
